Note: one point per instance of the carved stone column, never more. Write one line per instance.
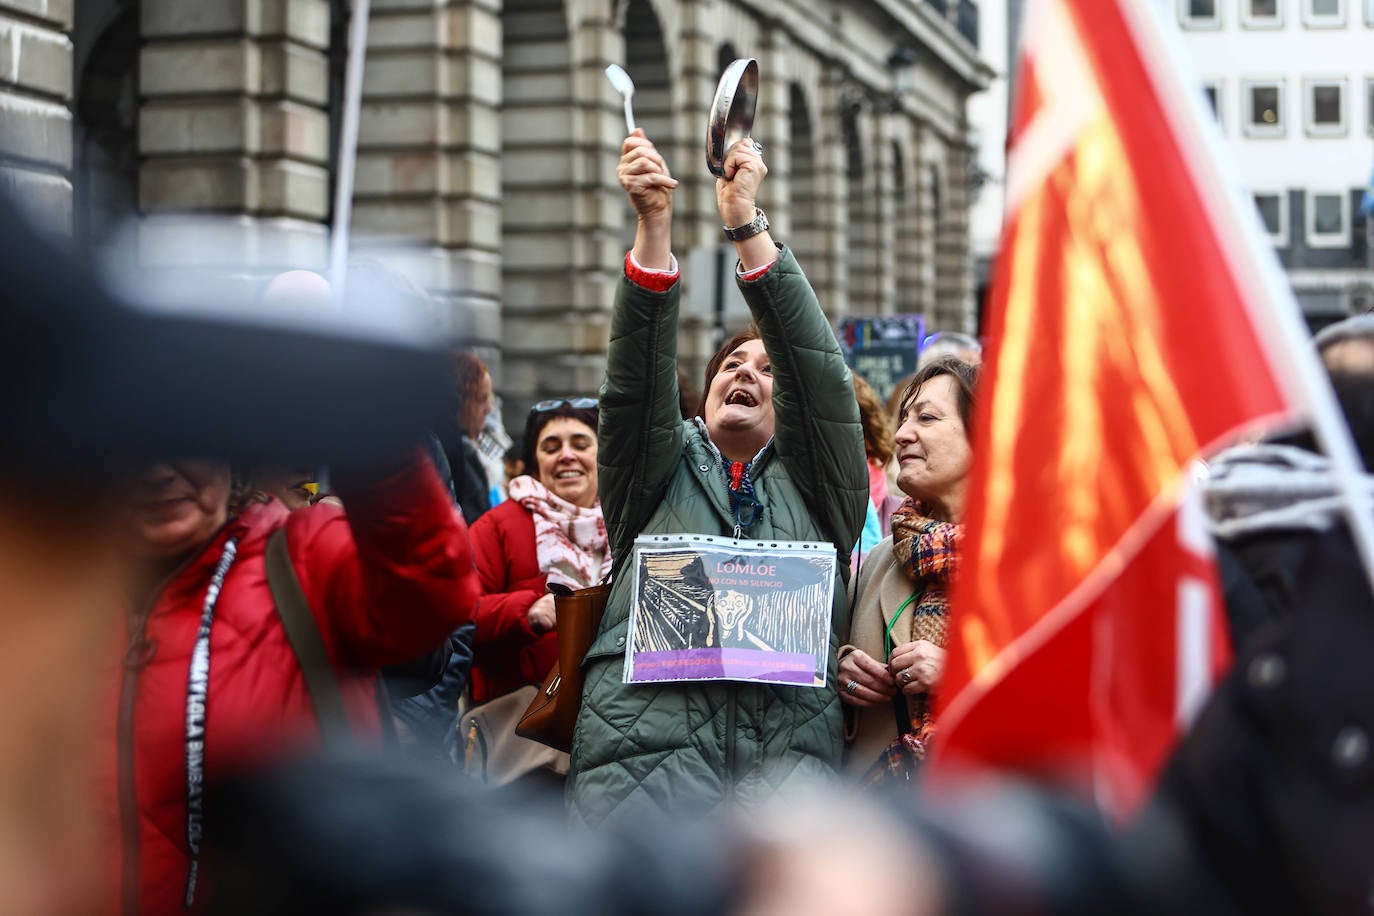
(429, 152)
(830, 272)
(35, 112)
(234, 121)
(954, 265)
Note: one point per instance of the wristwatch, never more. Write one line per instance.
(750, 229)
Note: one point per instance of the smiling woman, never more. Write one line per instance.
(895, 652)
(550, 530)
(175, 507)
(566, 458)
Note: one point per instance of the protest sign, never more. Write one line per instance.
(884, 350)
(709, 608)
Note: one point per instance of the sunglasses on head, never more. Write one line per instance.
(574, 403)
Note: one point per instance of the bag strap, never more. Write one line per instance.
(901, 712)
(304, 635)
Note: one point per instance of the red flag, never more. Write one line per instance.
(1086, 620)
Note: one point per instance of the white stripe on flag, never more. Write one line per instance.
(1194, 648)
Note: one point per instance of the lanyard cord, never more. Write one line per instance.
(197, 692)
(743, 505)
(887, 634)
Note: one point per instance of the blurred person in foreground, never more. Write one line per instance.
(363, 838)
(550, 530)
(774, 452)
(1276, 775)
(419, 699)
(209, 680)
(895, 653)
(94, 384)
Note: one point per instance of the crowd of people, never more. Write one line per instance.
(405, 603)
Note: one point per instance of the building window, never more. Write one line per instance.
(1327, 220)
(1211, 91)
(1261, 14)
(1200, 14)
(1369, 12)
(1263, 101)
(1323, 14)
(1325, 107)
(1273, 211)
(1369, 103)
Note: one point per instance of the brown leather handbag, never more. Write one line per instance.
(553, 713)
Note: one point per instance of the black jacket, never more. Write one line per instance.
(1274, 785)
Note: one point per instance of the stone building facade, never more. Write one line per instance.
(488, 142)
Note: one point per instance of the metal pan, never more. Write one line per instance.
(732, 111)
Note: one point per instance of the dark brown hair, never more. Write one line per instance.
(965, 381)
(894, 400)
(879, 442)
(713, 366)
(538, 419)
(686, 394)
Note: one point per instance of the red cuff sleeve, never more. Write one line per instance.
(658, 281)
(756, 272)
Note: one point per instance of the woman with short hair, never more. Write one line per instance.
(774, 453)
(895, 653)
(550, 530)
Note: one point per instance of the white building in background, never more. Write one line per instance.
(988, 117)
(1292, 85)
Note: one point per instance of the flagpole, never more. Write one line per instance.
(1269, 296)
(348, 147)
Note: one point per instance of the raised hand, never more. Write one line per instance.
(645, 177)
(737, 191)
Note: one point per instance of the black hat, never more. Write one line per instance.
(89, 378)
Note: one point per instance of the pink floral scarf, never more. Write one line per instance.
(569, 541)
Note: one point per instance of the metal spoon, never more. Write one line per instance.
(626, 87)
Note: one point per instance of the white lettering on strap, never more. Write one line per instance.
(197, 693)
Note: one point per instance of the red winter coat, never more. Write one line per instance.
(506, 653)
(387, 583)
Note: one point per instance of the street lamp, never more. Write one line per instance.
(902, 62)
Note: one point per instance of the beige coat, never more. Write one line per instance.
(879, 590)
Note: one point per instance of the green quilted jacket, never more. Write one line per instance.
(697, 745)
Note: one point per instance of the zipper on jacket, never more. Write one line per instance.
(136, 656)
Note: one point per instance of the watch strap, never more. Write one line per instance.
(750, 229)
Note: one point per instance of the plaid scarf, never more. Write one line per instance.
(928, 552)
